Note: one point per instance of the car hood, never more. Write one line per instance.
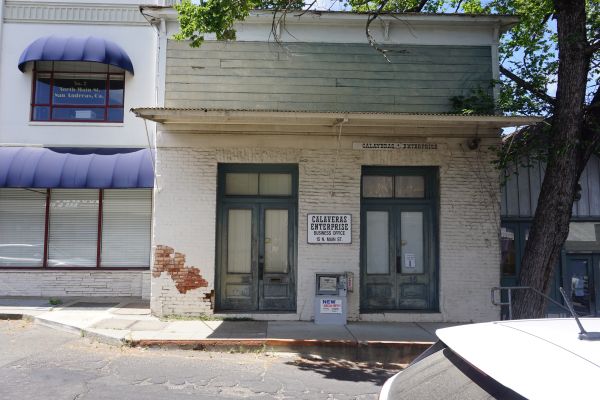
(539, 359)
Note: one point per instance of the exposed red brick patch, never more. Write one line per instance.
(185, 278)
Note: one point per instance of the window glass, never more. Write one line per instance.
(22, 226)
(239, 241)
(117, 88)
(126, 224)
(275, 184)
(80, 66)
(77, 91)
(41, 113)
(115, 114)
(377, 242)
(409, 186)
(411, 227)
(378, 186)
(42, 89)
(276, 241)
(241, 184)
(43, 65)
(73, 235)
(78, 113)
(508, 251)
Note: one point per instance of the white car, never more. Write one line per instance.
(519, 359)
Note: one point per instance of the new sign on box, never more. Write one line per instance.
(329, 228)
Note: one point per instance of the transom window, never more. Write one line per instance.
(258, 184)
(393, 186)
(77, 91)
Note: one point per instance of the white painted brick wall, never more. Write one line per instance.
(39, 283)
(185, 204)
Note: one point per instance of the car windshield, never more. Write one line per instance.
(445, 375)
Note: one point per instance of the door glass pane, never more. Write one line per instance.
(411, 226)
(378, 259)
(580, 286)
(276, 184)
(509, 254)
(377, 186)
(410, 186)
(239, 241)
(73, 239)
(241, 184)
(276, 241)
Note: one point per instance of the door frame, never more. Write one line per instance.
(256, 203)
(429, 204)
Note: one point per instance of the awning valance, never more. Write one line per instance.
(93, 49)
(36, 167)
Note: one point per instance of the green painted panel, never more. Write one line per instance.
(323, 77)
(189, 90)
(173, 68)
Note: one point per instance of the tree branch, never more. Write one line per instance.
(418, 7)
(592, 48)
(527, 86)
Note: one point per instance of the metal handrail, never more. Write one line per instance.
(509, 302)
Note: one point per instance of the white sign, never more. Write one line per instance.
(329, 228)
(394, 146)
(328, 283)
(331, 306)
(410, 261)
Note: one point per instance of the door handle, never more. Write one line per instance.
(399, 264)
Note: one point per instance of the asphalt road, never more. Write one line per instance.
(37, 362)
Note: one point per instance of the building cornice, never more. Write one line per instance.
(72, 13)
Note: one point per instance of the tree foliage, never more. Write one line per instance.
(550, 66)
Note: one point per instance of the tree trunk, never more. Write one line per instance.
(567, 159)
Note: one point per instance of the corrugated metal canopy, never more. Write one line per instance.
(206, 120)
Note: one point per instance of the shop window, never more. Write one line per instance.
(22, 225)
(73, 235)
(64, 228)
(77, 91)
(126, 224)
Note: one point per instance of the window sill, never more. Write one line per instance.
(61, 123)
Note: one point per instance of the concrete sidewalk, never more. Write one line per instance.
(126, 321)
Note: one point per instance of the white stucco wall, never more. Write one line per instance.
(138, 39)
(185, 219)
(120, 21)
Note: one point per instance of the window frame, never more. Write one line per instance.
(106, 107)
(99, 220)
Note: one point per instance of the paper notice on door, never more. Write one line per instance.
(410, 261)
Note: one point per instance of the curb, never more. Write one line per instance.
(381, 351)
(384, 351)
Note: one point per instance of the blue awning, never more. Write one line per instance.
(36, 167)
(93, 49)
